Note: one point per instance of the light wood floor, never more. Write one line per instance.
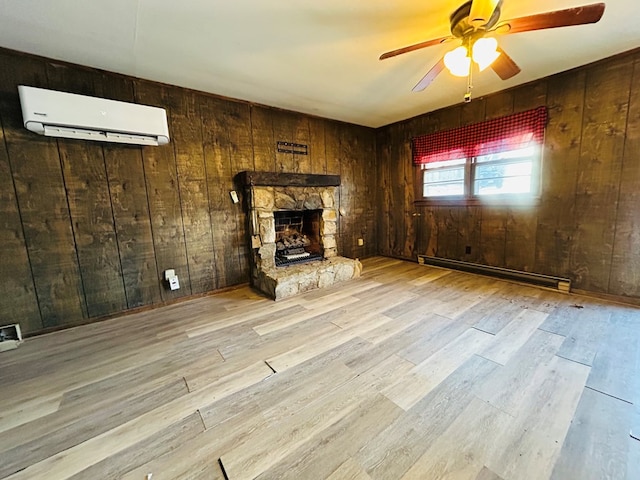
(410, 372)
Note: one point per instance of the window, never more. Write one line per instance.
(513, 172)
(499, 159)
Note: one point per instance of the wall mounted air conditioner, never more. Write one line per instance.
(60, 114)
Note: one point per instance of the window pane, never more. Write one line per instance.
(445, 181)
(443, 189)
(504, 185)
(498, 170)
(444, 175)
(444, 163)
(507, 172)
(528, 153)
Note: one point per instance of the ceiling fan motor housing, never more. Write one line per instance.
(460, 24)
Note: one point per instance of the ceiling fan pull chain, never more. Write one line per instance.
(467, 96)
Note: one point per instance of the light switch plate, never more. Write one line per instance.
(234, 196)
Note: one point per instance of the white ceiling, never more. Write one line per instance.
(316, 57)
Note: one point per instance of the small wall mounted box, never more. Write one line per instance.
(174, 284)
(172, 279)
(10, 337)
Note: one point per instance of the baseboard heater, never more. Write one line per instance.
(558, 283)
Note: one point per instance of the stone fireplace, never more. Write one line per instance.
(293, 223)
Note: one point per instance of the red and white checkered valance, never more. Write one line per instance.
(498, 135)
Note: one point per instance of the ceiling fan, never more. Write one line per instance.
(473, 21)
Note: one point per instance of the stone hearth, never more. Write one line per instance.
(294, 195)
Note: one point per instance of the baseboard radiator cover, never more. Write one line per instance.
(548, 281)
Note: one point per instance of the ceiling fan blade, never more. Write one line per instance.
(430, 76)
(417, 46)
(504, 66)
(481, 11)
(558, 18)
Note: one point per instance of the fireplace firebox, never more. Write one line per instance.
(297, 236)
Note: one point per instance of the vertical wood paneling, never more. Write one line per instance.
(87, 187)
(128, 192)
(448, 228)
(96, 243)
(448, 118)
(368, 191)
(397, 199)
(499, 105)
(284, 124)
(473, 112)
(238, 122)
(383, 154)
(429, 228)
(469, 229)
(302, 135)
(18, 301)
(410, 220)
(600, 166)
(334, 156)
(556, 222)
(219, 182)
(317, 143)
(332, 147)
(42, 202)
(530, 96)
(520, 238)
(349, 145)
(164, 201)
(264, 145)
(625, 262)
(192, 179)
(426, 226)
(47, 226)
(493, 236)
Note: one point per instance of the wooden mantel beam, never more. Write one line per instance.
(279, 179)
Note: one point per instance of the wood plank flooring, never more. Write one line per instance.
(410, 372)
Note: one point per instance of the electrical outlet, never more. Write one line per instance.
(174, 284)
(360, 242)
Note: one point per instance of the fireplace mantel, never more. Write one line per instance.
(280, 179)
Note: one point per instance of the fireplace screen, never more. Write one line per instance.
(298, 236)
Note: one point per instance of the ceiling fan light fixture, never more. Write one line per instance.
(485, 52)
(458, 62)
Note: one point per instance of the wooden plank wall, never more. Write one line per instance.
(586, 225)
(88, 229)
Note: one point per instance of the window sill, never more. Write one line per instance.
(487, 201)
